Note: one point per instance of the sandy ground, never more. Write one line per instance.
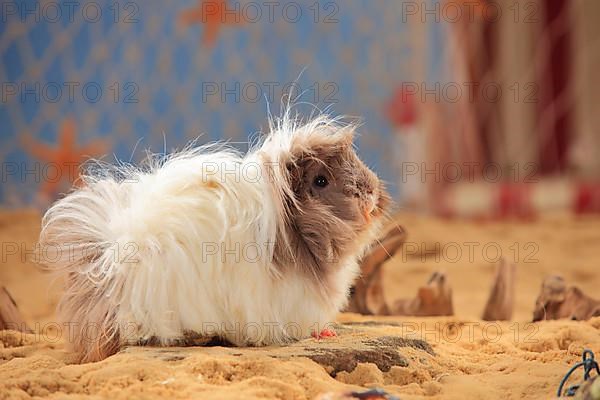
(456, 357)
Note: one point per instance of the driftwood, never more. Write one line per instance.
(10, 317)
(433, 299)
(500, 303)
(367, 294)
(557, 300)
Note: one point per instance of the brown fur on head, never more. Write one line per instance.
(334, 204)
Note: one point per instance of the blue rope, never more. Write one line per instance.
(588, 364)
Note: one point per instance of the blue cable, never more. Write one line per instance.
(588, 364)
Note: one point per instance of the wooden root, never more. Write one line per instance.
(10, 317)
(433, 299)
(557, 300)
(367, 294)
(500, 303)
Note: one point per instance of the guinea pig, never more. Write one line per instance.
(256, 249)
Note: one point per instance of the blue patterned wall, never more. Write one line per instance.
(85, 78)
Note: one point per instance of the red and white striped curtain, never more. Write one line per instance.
(542, 131)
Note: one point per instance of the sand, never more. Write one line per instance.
(455, 357)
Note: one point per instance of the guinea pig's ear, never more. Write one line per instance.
(295, 174)
(294, 163)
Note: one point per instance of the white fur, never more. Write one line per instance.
(153, 235)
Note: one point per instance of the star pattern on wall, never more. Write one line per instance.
(171, 54)
(60, 164)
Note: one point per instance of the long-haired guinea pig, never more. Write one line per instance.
(255, 249)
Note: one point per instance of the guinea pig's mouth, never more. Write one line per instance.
(367, 214)
(370, 209)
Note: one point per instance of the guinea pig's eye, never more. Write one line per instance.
(320, 181)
